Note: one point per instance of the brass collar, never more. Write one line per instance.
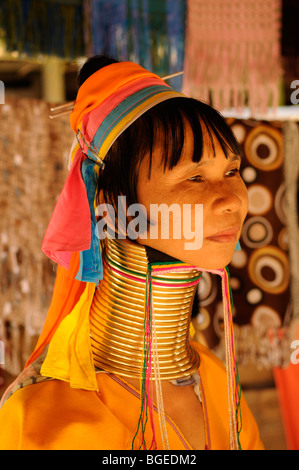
(117, 314)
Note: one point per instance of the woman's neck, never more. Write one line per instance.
(118, 318)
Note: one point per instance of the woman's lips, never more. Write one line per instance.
(225, 236)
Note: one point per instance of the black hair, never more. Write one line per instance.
(92, 65)
(166, 122)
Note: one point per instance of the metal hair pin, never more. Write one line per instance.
(98, 161)
(62, 109)
(67, 108)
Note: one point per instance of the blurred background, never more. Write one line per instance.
(240, 57)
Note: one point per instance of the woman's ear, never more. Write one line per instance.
(106, 217)
(112, 220)
(101, 198)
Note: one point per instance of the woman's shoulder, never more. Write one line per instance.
(34, 414)
(38, 392)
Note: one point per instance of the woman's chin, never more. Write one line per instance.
(205, 257)
(210, 261)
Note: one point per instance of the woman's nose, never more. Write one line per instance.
(227, 200)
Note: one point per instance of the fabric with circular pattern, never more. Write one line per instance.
(260, 273)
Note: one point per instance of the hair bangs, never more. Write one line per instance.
(165, 127)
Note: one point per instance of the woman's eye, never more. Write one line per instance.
(233, 172)
(197, 179)
(201, 179)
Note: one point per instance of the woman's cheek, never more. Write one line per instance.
(244, 198)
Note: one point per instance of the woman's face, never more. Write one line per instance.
(214, 183)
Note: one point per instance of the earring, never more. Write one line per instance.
(238, 246)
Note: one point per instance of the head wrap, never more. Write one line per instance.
(108, 102)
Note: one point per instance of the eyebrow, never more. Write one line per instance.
(231, 158)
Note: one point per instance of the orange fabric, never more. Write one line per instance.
(52, 416)
(102, 84)
(287, 384)
(67, 291)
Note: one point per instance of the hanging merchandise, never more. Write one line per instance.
(290, 44)
(149, 32)
(51, 27)
(32, 170)
(232, 53)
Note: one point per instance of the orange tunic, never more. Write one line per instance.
(53, 416)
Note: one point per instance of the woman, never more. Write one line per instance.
(114, 368)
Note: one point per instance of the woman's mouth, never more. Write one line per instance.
(225, 236)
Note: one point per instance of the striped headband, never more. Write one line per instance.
(108, 102)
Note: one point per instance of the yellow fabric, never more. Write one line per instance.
(53, 416)
(67, 292)
(69, 357)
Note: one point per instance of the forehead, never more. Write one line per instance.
(192, 156)
(211, 147)
(172, 137)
